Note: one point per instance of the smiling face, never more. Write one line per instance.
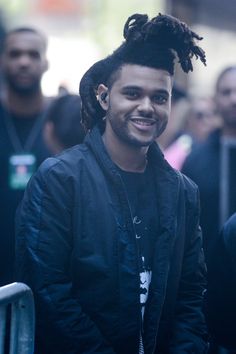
(23, 61)
(137, 105)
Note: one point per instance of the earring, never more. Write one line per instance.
(103, 96)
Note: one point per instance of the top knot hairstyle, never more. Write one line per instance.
(153, 43)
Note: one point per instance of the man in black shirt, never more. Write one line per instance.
(22, 147)
(221, 292)
(107, 234)
(212, 164)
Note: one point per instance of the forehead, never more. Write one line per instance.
(144, 77)
(24, 41)
(228, 80)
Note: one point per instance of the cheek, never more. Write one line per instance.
(118, 110)
(121, 105)
(164, 113)
(163, 120)
(223, 103)
(9, 66)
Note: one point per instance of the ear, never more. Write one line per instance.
(103, 97)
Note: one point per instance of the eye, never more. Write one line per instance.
(14, 54)
(226, 92)
(34, 54)
(160, 98)
(131, 94)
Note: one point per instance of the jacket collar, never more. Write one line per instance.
(95, 143)
(167, 179)
(168, 184)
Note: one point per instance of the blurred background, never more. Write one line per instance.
(81, 32)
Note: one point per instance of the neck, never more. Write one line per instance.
(130, 159)
(23, 104)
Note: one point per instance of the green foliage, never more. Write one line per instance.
(12, 7)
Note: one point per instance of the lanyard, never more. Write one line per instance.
(13, 136)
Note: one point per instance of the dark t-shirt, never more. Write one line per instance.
(10, 197)
(141, 193)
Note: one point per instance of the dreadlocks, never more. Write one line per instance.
(153, 43)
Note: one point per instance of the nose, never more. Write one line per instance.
(145, 107)
(24, 60)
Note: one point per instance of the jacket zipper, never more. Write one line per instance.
(138, 255)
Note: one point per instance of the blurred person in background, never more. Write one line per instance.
(202, 119)
(63, 127)
(22, 148)
(221, 293)
(2, 39)
(203, 165)
(63, 89)
(179, 104)
(212, 166)
(198, 121)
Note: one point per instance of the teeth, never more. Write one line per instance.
(141, 122)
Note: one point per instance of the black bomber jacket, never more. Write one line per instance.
(86, 287)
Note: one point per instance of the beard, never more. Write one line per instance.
(23, 89)
(121, 129)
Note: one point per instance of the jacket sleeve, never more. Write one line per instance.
(190, 332)
(44, 246)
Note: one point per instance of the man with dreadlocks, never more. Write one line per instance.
(108, 233)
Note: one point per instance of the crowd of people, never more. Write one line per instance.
(124, 227)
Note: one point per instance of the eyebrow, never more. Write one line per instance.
(139, 88)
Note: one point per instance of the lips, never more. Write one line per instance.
(143, 121)
(23, 75)
(143, 125)
(23, 79)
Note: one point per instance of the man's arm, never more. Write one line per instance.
(44, 248)
(190, 333)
